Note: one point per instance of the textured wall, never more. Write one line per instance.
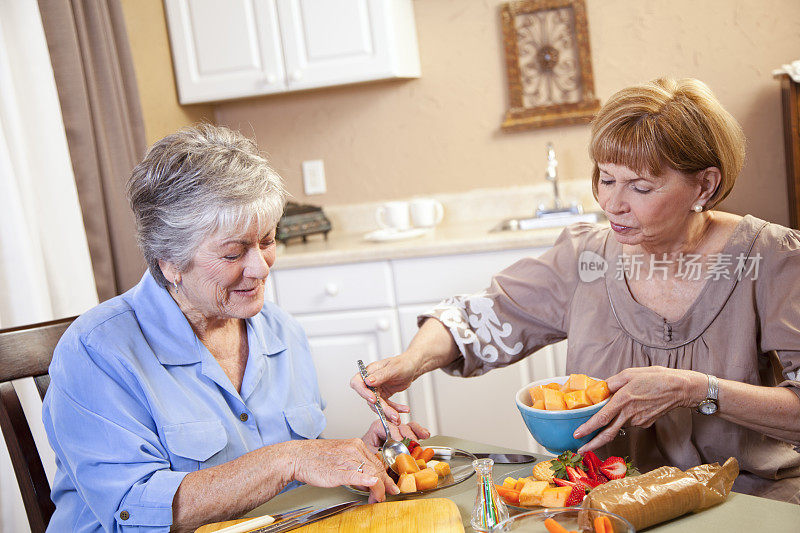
(147, 32)
(440, 133)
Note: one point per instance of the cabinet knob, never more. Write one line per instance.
(331, 289)
(383, 324)
(297, 75)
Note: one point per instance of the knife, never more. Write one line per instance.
(506, 458)
(292, 523)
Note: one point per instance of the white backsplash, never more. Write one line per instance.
(468, 206)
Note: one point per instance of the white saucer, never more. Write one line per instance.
(383, 235)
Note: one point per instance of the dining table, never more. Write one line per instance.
(740, 512)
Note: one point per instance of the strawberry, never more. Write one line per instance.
(614, 468)
(575, 497)
(410, 444)
(575, 474)
(591, 483)
(591, 464)
(560, 464)
(563, 482)
(590, 460)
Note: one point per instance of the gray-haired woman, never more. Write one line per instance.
(189, 399)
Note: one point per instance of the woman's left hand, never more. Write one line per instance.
(375, 435)
(640, 397)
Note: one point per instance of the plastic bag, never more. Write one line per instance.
(664, 493)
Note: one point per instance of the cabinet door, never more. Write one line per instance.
(332, 42)
(429, 279)
(337, 341)
(224, 50)
(482, 408)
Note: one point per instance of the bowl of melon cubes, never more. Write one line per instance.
(554, 408)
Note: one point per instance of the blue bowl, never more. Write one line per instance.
(554, 429)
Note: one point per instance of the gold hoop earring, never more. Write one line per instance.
(697, 208)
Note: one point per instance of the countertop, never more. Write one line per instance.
(460, 238)
(468, 218)
(740, 512)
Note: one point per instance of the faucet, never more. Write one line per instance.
(551, 174)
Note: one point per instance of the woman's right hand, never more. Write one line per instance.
(331, 463)
(388, 376)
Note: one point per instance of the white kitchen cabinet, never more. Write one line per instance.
(335, 288)
(369, 311)
(337, 341)
(480, 408)
(239, 48)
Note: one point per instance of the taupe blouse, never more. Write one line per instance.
(749, 306)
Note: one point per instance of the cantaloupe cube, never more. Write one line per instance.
(598, 392)
(442, 468)
(520, 483)
(536, 394)
(422, 464)
(554, 400)
(577, 382)
(405, 464)
(426, 479)
(531, 493)
(577, 399)
(555, 496)
(538, 404)
(406, 483)
(554, 386)
(509, 482)
(591, 381)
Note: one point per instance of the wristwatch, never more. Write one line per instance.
(710, 405)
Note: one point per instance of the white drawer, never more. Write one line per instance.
(431, 279)
(334, 288)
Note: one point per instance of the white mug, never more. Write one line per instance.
(393, 215)
(426, 212)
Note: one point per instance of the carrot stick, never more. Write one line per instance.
(602, 524)
(509, 495)
(554, 527)
(427, 454)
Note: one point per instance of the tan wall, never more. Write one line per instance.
(147, 32)
(440, 133)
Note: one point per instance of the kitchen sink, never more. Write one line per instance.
(555, 220)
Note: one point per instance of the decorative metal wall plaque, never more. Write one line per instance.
(549, 66)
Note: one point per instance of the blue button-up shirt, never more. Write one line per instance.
(136, 402)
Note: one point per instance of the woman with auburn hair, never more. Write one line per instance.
(695, 324)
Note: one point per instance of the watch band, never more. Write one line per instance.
(710, 404)
(713, 388)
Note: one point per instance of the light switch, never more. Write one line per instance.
(314, 177)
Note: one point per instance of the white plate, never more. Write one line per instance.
(384, 235)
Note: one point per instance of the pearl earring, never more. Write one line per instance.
(697, 208)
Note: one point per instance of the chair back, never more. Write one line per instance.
(26, 351)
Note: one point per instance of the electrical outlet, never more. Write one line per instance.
(314, 177)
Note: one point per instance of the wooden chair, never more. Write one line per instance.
(26, 351)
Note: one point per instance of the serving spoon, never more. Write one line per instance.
(391, 448)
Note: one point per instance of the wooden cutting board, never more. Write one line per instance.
(434, 515)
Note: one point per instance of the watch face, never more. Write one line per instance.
(707, 407)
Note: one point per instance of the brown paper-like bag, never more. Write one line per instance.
(665, 493)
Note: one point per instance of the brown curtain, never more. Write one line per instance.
(99, 100)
